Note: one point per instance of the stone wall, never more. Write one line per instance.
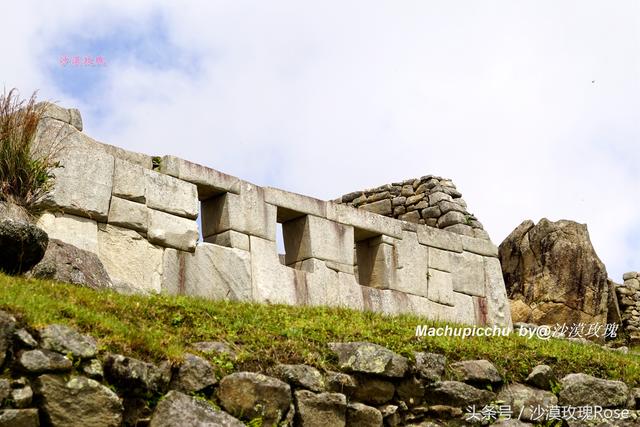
(629, 302)
(138, 215)
(429, 200)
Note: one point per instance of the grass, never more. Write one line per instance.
(161, 327)
(25, 177)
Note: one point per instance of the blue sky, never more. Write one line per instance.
(532, 107)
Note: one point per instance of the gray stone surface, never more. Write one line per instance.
(359, 414)
(172, 231)
(7, 328)
(583, 390)
(302, 376)
(469, 277)
(19, 418)
(542, 377)
(313, 237)
(430, 366)
(25, 339)
(476, 372)
(65, 340)
(290, 204)
(78, 401)
(168, 194)
(193, 375)
(433, 237)
(369, 358)
(374, 391)
(248, 395)
(209, 181)
(320, 410)
(129, 181)
(71, 229)
(38, 361)
(22, 397)
(230, 239)
(128, 214)
(523, 400)
(177, 409)
(458, 394)
(137, 376)
(22, 245)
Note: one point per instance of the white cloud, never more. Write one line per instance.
(330, 97)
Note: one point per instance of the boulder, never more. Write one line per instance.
(136, 376)
(430, 366)
(455, 393)
(39, 361)
(22, 245)
(302, 376)
(249, 395)
(195, 374)
(542, 377)
(523, 400)
(361, 415)
(177, 409)
(553, 268)
(80, 402)
(585, 390)
(65, 340)
(19, 418)
(66, 263)
(476, 372)
(339, 382)
(369, 358)
(319, 410)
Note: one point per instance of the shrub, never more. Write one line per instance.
(25, 169)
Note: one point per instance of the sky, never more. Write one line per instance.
(532, 108)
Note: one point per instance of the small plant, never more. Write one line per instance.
(156, 162)
(25, 169)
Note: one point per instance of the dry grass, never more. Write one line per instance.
(25, 170)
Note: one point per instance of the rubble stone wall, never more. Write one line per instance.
(429, 200)
(138, 215)
(629, 302)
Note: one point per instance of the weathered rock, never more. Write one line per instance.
(79, 401)
(456, 393)
(339, 382)
(22, 245)
(430, 366)
(38, 361)
(476, 372)
(302, 376)
(7, 327)
(411, 391)
(5, 389)
(25, 339)
(19, 418)
(554, 266)
(195, 374)
(65, 340)
(177, 409)
(361, 415)
(324, 409)
(542, 377)
(92, 369)
(390, 415)
(585, 390)
(22, 397)
(66, 263)
(523, 400)
(369, 358)
(214, 347)
(249, 395)
(374, 391)
(136, 376)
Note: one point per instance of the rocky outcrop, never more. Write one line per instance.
(53, 376)
(66, 263)
(553, 275)
(22, 245)
(629, 301)
(429, 200)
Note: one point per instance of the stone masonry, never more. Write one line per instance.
(429, 200)
(629, 301)
(138, 215)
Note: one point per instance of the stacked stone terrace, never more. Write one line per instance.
(629, 301)
(141, 222)
(429, 200)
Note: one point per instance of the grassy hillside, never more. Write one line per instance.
(160, 327)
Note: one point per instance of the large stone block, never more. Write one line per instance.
(377, 264)
(349, 292)
(440, 259)
(422, 306)
(168, 194)
(74, 230)
(210, 182)
(245, 213)
(367, 224)
(313, 237)
(322, 284)
(82, 183)
(130, 259)
(468, 273)
(479, 246)
(230, 239)
(128, 214)
(436, 238)
(273, 282)
(412, 265)
(212, 272)
(440, 287)
(498, 310)
(172, 231)
(466, 310)
(129, 181)
(292, 205)
(66, 115)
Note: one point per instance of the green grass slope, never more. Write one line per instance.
(160, 327)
